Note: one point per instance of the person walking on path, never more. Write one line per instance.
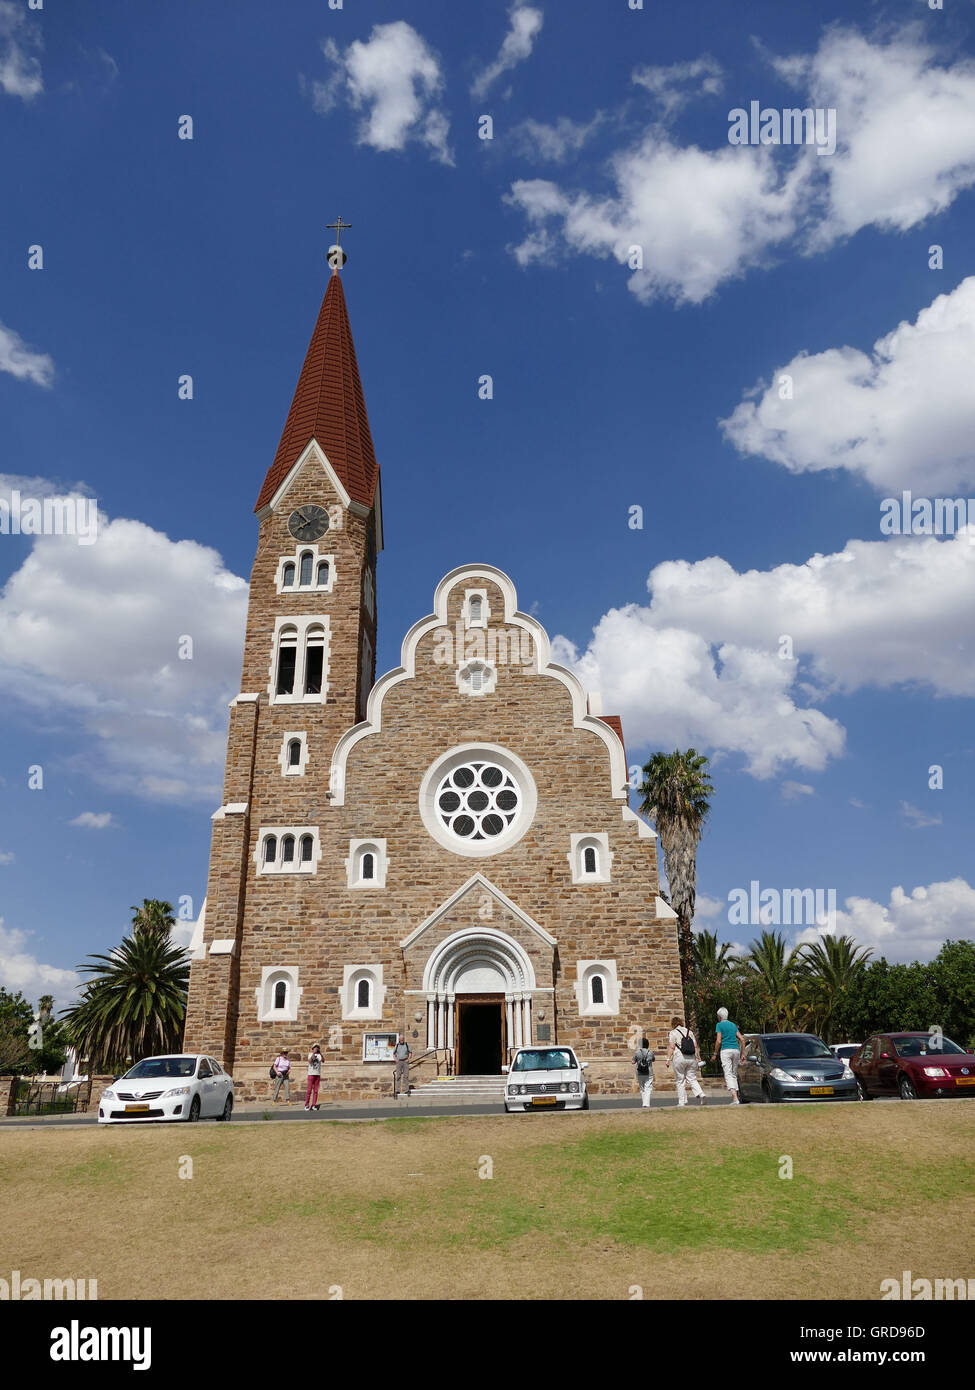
(401, 1072)
(282, 1076)
(731, 1046)
(682, 1054)
(643, 1061)
(314, 1078)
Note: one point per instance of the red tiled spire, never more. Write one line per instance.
(329, 406)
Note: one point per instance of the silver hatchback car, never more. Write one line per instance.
(793, 1066)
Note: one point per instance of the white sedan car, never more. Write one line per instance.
(187, 1087)
(545, 1078)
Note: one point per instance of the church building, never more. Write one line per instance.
(447, 852)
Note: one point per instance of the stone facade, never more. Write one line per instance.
(555, 923)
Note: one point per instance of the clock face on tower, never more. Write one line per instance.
(308, 523)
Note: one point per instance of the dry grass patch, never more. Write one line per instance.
(582, 1205)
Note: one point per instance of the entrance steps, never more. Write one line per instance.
(447, 1088)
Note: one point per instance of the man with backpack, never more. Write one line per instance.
(682, 1052)
(643, 1061)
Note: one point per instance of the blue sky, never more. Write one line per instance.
(614, 387)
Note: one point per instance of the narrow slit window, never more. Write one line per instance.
(475, 609)
(306, 564)
(596, 992)
(306, 849)
(362, 995)
(280, 995)
(288, 850)
(369, 866)
(270, 849)
(314, 661)
(288, 576)
(322, 574)
(589, 860)
(294, 752)
(287, 662)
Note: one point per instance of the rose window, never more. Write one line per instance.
(478, 801)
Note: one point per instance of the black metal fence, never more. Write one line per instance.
(52, 1097)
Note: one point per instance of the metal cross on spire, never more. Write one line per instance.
(336, 256)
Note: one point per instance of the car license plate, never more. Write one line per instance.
(136, 1109)
(820, 1090)
(965, 1080)
(544, 1100)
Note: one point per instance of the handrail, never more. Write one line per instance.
(436, 1052)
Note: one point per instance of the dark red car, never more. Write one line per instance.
(913, 1066)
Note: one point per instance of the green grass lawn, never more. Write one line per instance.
(584, 1205)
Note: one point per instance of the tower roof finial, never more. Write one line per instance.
(336, 256)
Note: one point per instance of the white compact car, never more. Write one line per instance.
(545, 1078)
(187, 1087)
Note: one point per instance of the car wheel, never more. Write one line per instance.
(862, 1092)
(227, 1108)
(194, 1114)
(585, 1101)
(906, 1088)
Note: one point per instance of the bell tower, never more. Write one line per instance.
(309, 657)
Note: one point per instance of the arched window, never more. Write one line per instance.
(281, 995)
(287, 660)
(306, 564)
(294, 752)
(270, 849)
(306, 849)
(362, 994)
(322, 580)
(597, 991)
(589, 862)
(368, 865)
(288, 849)
(474, 610)
(314, 660)
(288, 576)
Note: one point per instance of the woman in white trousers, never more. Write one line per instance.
(685, 1065)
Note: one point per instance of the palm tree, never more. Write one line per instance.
(710, 958)
(676, 790)
(134, 1004)
(829, 970)
(777, 976)
(154, 915)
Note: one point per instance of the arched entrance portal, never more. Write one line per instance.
(478, 984)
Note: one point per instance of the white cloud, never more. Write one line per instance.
(918, 819)
(674, 86)
(906, 148)
(697, 216)
(19, 970)
(706, 909)
(554, 141)
(701, 665)
(902, 416)
(20, 70)
(526, 24)
(905, 128)
(94, 820)
(92, 633)
(908, 928)
(21, 362)
(7, 857)
(397, 76)
(791, 791)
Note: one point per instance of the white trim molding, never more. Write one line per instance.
(476, 678)
(302, 624)
(311, 450)
(516, 773)
(644, 829)
(664, 910)
(598, 842)
(278, 864)
(271, 976)
(358, 849)
(483, 611)
(544, 666)
(488, 887)
(317, 557)
(586, 970)
(352, 977)
(294, 769)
